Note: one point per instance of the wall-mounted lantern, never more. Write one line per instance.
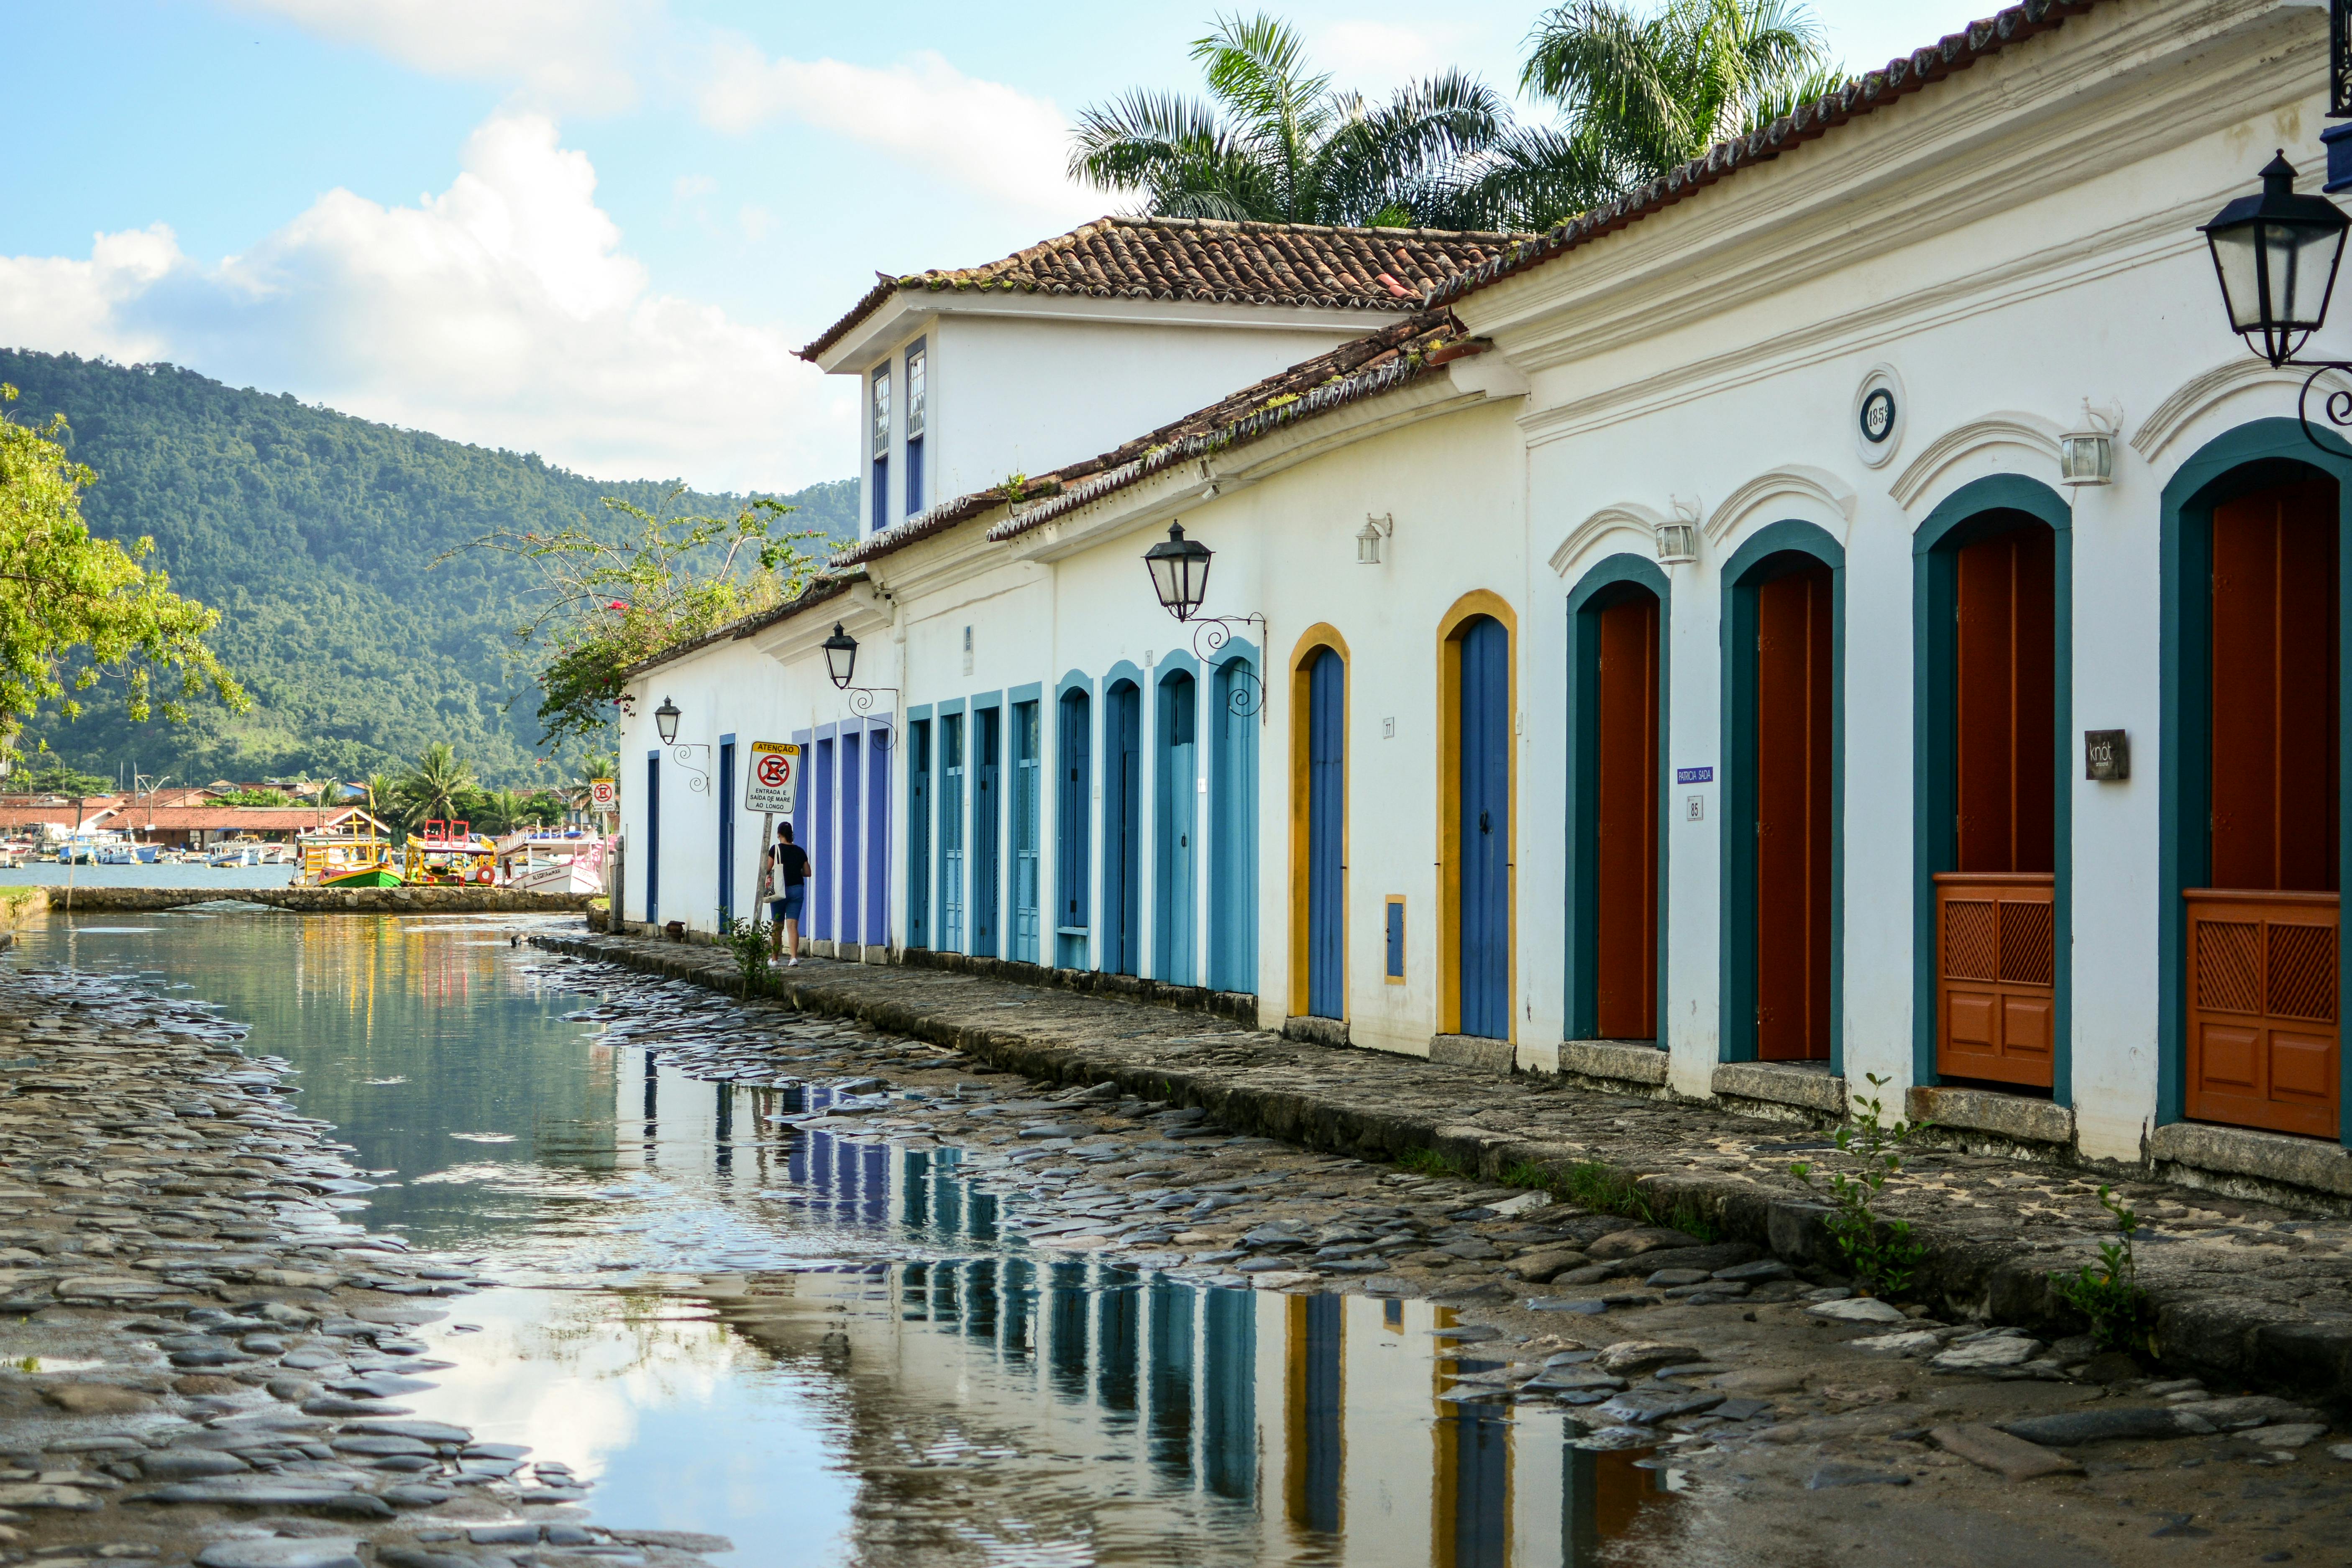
(1677, 538)
(1180, 571)
(666, 721)
(840, 656)
(1368, 540)
(2087, 454)
(2275, 254)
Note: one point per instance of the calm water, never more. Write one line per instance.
(49, 873)
(926, 1390)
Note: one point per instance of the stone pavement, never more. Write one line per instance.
(2241, 1291)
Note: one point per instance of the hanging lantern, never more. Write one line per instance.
(666, 721)
(1180, 571)
(840, 655)
(2276, 255)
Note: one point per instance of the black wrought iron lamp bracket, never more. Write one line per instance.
(1246, 694)
(861, 703)
(697, 780)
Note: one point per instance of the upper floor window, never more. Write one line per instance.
(915, 383)
(881, 448)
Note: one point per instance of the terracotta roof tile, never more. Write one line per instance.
(1210, 261)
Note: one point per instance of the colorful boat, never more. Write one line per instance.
(349, 859)
(449, 854)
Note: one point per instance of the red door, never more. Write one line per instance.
(1794, 760)
(1627, 851)
(2262, 1003)
(1995, 918)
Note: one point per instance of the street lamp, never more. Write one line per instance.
(840, 656)
(2275, 254)
(1180, 571)
(666, 721)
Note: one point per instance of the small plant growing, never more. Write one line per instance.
(748, 940)
(1881, 1253)
(2108, 1293)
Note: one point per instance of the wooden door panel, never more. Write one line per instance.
(1995, 971)
(1793, 797)
(2264, 1035)
(1626, 847)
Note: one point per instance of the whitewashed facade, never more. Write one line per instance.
(2008, 252)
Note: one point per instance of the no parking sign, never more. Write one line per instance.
(603, 795)
(773, 783)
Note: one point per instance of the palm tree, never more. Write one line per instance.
(1278, 144)
(500, 811)
(438, 785)
(1640, 95)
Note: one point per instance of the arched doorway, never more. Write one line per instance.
(2258, 681)
(1318, 818)
(1476, 703)
(1782, 796)
(1615, 784)
(1073, 783)
(1122, 828)
(1176, 829)
(1992, 681)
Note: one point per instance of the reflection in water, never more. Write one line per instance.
(832, 1350)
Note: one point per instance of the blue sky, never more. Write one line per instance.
(593, 228)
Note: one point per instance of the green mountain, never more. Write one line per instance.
(315, 535)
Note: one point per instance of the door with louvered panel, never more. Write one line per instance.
(2263, 1009)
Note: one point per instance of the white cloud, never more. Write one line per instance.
(502, 311)
(923, 111)
(566, 54)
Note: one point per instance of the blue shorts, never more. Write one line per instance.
(788, 908)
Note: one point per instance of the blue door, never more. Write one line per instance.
(1486, 828)
(919, 834)
(952, 833)
(726, 833)
(1027, 770)
(653, 839)
(1122, 828)
(1175, 821)
(1327, 836)
(1072, 865)
(988, 789)
(846, 879)
(819, 892)
(877, 837)
(1233, 830)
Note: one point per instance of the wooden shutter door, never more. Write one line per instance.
(2263, 1008)
(1794, 648)
(1626, 854)
(1995, 912)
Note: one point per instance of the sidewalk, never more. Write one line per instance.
(2242, 1289)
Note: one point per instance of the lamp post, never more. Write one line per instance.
(841, 667)
(2276, 255)
(1180, 576)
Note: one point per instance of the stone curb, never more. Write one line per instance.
(2247, 1340)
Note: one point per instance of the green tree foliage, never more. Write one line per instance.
(605, 604)
(253, 797)
(63, 591)
(1277, 142)
(316, 536)
(1640, 94)
(45, 774)
(439, 785)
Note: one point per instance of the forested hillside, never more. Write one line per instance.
(315, 535)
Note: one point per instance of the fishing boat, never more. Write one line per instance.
(236, 852)
(449, 854)
(348, 859)
(537, 861)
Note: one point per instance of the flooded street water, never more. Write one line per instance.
(834, 1350)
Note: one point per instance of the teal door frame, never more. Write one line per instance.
(2252, 456)
(1604, 586)
(1748, 569)
(1980, 509)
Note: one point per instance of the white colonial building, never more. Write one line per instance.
(1852, 607)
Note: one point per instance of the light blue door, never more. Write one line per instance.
(1122, 828)
(918, 833)
(1073, 784)
(1176, 820)
(1027, 769)
(952, 833)
(988, 791)
(1233, 829)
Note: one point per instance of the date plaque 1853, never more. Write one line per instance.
(2106, 755)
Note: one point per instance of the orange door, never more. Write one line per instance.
(2262, 1003)
(1626, 855)
(1995, 915)
(1793, 760)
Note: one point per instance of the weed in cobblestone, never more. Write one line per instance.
(748, 940)
(1605, 1189)
(1430, 1162)
(1880, 1253)
(2108, 1293)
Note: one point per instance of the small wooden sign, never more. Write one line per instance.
(2106, 755)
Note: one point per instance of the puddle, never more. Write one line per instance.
(834, 1350)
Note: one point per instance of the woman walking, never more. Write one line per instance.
(783, 879)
